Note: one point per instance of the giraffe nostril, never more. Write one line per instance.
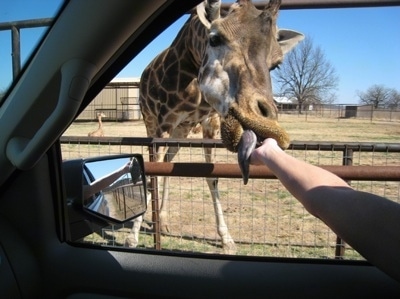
(263, 108)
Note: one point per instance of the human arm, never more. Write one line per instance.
(369, 223)
(105, 181)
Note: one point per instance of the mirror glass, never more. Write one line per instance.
(115, 188)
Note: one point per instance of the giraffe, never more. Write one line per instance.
(171, 98)
(99, 132)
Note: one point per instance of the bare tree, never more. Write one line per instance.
(307, 76)
(380, 96)
(394, 100)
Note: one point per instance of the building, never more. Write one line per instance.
(284, 103)
(119, 101)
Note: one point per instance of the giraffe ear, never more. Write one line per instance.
(288, 39)
(208, 11)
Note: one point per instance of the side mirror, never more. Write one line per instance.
(102, 191)
(114, 188)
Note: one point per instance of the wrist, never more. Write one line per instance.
(271, 152)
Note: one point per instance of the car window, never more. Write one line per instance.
(263, 219)
(88, 178)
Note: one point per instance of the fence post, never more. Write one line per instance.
(372, 113)
(340, 244)
(155, 206)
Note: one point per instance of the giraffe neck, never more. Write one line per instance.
(191, 41)
(100, 122)
(169, 95)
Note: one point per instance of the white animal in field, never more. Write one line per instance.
(99, 132)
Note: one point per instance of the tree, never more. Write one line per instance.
(394, 100)
(307, 76)
(380, 96)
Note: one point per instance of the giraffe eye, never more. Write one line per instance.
(276, 66)
(215, 40)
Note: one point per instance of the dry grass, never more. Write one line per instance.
(340, 130)
(299, 128)
(263, 218)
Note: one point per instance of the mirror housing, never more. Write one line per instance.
(102, 191)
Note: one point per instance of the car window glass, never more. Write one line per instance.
(24, 18)
(262, 225)
(87, 180)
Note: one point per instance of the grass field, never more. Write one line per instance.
(263, 218)
(340, 130)
(300, 129)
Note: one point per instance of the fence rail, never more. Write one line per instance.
(15, 27)
(217, 143)
(359, 173)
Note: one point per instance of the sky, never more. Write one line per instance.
(105, 167)
(362, 44)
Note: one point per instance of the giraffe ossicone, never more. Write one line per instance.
(216, 73)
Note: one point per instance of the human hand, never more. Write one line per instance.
(126, 168)
(260, 154)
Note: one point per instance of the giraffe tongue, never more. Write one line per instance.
(246, 146)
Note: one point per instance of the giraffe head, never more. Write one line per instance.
(243, 47)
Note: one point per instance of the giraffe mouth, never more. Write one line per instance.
(243, 133)
(248, 142)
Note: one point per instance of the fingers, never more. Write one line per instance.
(270, 142)
(259, 154)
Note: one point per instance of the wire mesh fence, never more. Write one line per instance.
(262, 217)
(341, 112)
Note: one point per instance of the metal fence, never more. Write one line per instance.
(118, 101)
(15, 28)
(343, 111)
(121, 103)
(262, 217)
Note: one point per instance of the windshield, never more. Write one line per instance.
(22, 25)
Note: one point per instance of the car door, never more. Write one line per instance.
(88, 44)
